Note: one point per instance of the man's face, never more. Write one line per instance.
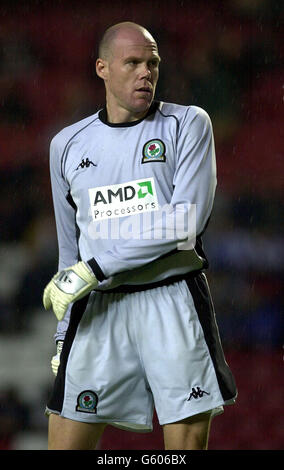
(132, 73)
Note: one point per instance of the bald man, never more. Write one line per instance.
(136, 323)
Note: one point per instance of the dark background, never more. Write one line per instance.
(226, 57)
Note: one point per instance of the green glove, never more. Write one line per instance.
(68, 286)
(55, 361)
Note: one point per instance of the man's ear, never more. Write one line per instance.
(102, 68)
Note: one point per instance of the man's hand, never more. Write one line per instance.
(55, 361)
(68, 286)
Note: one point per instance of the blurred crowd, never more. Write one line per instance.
(226, 57)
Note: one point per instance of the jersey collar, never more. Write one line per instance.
(103, 117)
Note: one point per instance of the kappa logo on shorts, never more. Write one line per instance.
(154, 151)
(197, 393)
(87, 402)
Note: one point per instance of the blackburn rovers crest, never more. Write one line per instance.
(87, 402)
(154, 151)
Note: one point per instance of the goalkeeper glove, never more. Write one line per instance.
(55, 361)
(68, 286)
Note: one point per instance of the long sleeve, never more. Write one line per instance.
(194, 185)
(65, 213)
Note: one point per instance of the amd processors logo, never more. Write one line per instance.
(120, 200)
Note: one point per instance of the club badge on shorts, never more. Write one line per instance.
(87, 402)
(154, 151)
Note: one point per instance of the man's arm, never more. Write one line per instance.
(65, 213)
(194, 184)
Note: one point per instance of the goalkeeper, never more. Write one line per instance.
(133, 187)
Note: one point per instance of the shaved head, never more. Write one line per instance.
(128, 63)
(120, 30)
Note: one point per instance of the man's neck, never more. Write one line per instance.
(120, 115)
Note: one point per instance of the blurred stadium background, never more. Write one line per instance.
(224, 56)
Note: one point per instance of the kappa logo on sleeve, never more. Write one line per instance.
(154, 151)
(120, 200)
(85, 163)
